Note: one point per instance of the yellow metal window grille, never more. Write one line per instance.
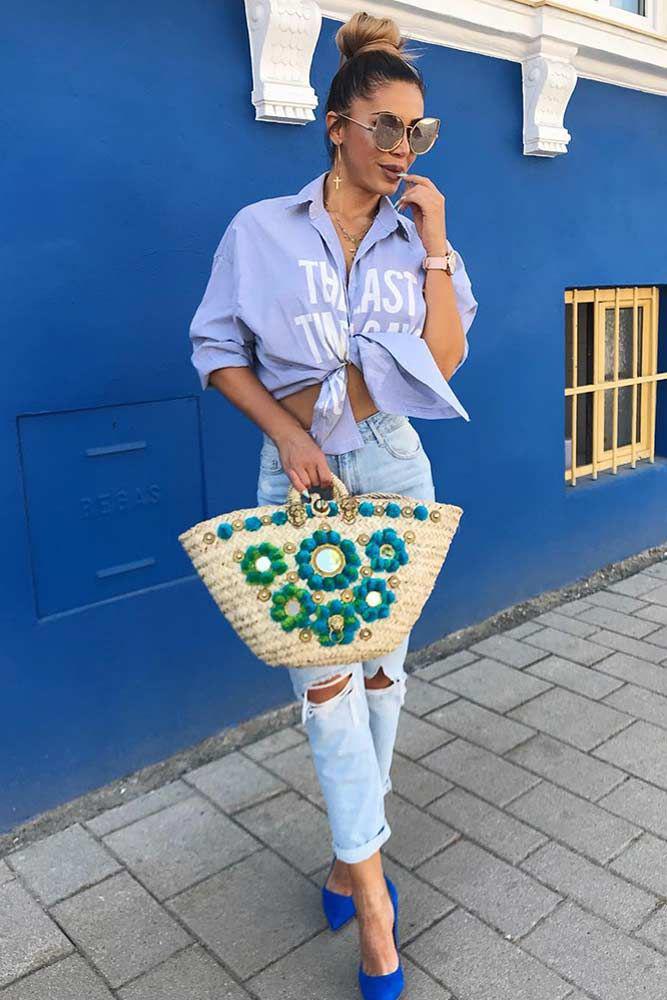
(611, 376)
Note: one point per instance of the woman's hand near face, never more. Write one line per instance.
(428, 208)
(303, 460)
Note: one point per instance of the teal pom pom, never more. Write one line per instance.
(224, 530)
(253, 523)
(392, 509)
(279, 517)
(421, 512)
(366, 508)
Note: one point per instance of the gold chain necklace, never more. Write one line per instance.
(354, 240)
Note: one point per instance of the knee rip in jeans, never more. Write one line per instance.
(323, 707)
(380, 690)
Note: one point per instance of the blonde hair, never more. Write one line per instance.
(372, 53)
(367, 33)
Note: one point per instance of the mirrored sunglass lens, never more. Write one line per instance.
(388, 131)
(424, 135)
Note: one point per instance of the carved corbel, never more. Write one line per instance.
(548, 79)
(283, 35)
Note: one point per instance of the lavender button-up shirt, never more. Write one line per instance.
(279, 301)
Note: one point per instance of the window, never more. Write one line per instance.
(638, 13)
(611, 353)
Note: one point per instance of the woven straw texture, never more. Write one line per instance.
(338, 581)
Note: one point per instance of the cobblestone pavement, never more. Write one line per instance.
(529, 843)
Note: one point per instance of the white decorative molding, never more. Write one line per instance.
(283, 35)
(548, 81)
(556, 43)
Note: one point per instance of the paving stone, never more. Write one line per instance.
(184, 843)
(6, 874)
(641, 749)
(598, 957)
(282, 739)
(607, 618)
(143, 805)
(415, 835)
(656, 595)
(658, 569)
(566, 766)
(190, 975)
(510, 651)
(70, 979)
(479, 725)
(493, 684)
(645, 862)
(62, 863)
(502, 895)
(581, 825)
(641, 703)
(582, 680)
(566, 623)
(635, 671)
(617, 602)
(522, 630)
(415, 737)
(571, 717)
(574, 607)
(654, 930)
(326, 968)
(420, 903)
(120, 928)
(29, 937)
(653, 613)
(416, 783)
(422, 697)
(291, 826)
(234, 782)
(636, 585)
(477, 963)
(253, 912)
(480, 771)
(571, 647)
(440, 667)
(504, 835)
(594, 887)
(632, 647)
(643, 804)
(296, 768)
(658, 637)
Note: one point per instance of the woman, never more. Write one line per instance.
(324, 300)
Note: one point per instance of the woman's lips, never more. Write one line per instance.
(393, 174)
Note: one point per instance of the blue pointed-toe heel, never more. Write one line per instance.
(338, 909)
(389, 986)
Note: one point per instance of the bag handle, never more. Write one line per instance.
(339, 490)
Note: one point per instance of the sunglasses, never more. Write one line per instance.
(389, 131)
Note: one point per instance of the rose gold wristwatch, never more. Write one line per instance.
(446, 263)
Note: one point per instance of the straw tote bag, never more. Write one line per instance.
(331, 581)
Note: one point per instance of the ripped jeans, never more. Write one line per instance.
(352, 733)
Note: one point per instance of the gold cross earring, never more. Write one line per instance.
(338, 180)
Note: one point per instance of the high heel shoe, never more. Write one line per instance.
(338, 908)
(389, 986)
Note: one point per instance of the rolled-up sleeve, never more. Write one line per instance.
(219, 336)
(465, 300)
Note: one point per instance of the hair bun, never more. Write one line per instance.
(365, 33)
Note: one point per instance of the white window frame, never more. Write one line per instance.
(653, 18)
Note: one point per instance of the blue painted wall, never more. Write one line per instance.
(129, 141)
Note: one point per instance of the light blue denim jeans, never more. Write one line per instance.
(352, 734)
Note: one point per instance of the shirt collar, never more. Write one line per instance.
(313, 192)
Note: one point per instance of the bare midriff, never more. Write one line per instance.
(302, 403)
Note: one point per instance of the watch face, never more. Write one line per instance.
(453, 261)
